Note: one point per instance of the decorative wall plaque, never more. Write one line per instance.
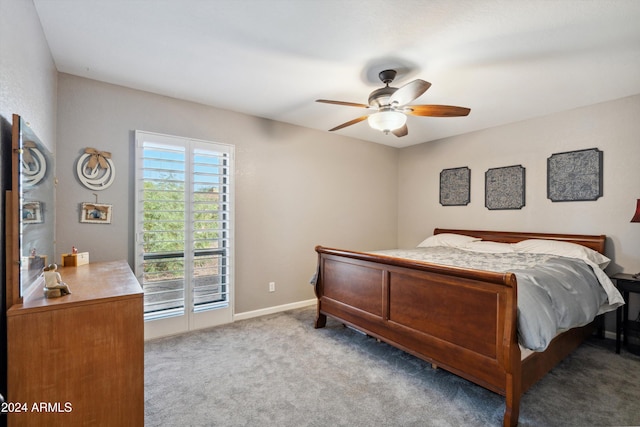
(574, 175)
(95, 169)
(455, 186)
(34, 164)
(505, 188)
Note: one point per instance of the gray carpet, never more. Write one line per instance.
(278, 370)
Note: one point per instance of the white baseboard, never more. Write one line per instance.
(270, 310)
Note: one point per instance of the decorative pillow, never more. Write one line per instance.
(447, 239)
(566, 249)
(488, 247)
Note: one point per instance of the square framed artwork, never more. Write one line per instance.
(32, 213)
(575, 176)
(96, 213)
(504, 188)
(455, 186)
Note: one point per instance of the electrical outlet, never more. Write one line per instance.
(272, 286)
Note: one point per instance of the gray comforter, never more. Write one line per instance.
(554, 293)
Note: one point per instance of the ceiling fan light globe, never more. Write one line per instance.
(387, 121)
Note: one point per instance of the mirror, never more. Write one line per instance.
(35, 204)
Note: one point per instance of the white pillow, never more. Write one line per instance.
(447, 239)
(566, 249)
(488, 247)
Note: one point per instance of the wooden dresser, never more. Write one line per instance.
(78, 360)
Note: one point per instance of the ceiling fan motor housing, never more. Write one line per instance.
(380, 97)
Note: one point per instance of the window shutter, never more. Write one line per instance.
(183, 224)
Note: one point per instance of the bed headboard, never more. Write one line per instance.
(595, 242)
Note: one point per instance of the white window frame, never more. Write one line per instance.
(193, 317)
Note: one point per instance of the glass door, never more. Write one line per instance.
(184, 232)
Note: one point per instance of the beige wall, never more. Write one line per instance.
(295, 187)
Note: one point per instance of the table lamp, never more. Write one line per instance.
(636, 216)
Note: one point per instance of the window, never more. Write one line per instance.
(184, 230)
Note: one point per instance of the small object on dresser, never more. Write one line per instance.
(54, 287)
(75, 260)
(74, 250)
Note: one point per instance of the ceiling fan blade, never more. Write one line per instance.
(348, 104)
(403, 131)
(409, 92)
(436, 110)
(349, 123)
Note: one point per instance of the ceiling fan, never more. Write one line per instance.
(392, 109)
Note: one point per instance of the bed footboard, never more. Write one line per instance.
(461, 320)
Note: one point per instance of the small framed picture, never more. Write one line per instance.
(32, 213)
(96, 213)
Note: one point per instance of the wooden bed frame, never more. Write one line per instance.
(459, 319)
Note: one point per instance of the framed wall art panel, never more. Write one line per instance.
(575, 176)
(455, 186)
(505, 188)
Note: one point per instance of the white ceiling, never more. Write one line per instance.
(507, 60)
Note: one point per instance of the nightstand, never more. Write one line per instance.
(625, 283)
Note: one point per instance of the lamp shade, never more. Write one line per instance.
(386, 121)
(636, 216)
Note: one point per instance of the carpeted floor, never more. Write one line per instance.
(278, 370)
